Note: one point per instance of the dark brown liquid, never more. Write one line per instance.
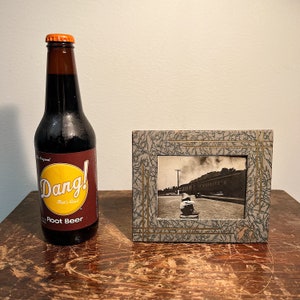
(64, 129)
(70, 237)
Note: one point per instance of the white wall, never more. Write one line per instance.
(153, 64)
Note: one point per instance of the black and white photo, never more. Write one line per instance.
(210, 186)
(215, 187)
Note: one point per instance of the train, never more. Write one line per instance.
(227, 183)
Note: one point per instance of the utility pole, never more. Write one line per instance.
(177, 171)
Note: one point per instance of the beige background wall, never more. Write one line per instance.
(157, 64)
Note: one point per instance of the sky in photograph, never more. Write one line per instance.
(192, 167)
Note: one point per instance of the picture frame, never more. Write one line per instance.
(225, 174)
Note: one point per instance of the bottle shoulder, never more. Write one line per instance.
(63, 133)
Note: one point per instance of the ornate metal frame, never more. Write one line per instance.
(256, 145)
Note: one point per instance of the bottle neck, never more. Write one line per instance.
(62, 89)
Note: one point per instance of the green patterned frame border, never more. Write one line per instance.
(256, 145)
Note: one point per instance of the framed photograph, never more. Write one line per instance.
(201, 186)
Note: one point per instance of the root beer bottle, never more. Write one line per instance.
(65, 152)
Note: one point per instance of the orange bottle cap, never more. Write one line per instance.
(60, 37)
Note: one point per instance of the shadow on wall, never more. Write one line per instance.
(15, 183)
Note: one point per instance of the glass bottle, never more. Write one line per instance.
(65, 146)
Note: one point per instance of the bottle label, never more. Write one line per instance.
(68, 189)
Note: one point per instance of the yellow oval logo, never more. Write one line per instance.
(64, 187)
